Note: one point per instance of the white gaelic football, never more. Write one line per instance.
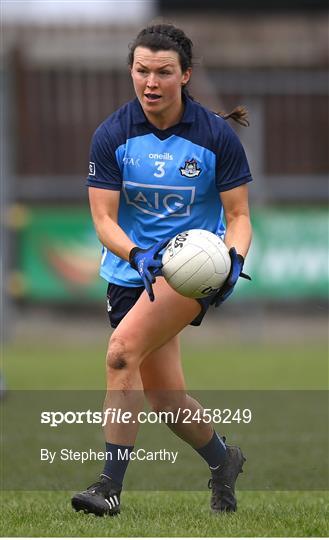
(196, 263)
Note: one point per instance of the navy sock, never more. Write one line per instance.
(117, 461)
(214, 452)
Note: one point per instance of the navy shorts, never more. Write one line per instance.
(121, 299)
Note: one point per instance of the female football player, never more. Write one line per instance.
(140, 198)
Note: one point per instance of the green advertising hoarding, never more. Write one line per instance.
(288, 257)
(59, 255)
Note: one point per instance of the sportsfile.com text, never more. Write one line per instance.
(113, 415)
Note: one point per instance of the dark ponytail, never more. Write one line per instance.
(164, 37)
(239, 114)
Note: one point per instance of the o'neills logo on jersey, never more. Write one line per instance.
(92, 171)
(190, 169)
(166, 155)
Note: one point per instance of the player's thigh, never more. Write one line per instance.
(162, 369)
(150, 325)
(163, 377)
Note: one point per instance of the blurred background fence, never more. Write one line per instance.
(64, 70)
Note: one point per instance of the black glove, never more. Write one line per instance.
(148, 264)
(226, 289)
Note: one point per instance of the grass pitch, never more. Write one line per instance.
(159, 514)
(168, 514)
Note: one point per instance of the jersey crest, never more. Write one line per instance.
(190, 169)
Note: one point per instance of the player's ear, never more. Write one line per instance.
(186, 76)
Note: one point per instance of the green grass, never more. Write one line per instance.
(251, 367)
(159, 514)
(168, 514)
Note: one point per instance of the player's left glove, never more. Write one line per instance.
(148, 264)
(226, 290)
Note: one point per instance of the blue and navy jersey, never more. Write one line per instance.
(170, 180)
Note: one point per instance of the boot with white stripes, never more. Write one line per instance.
(101, 498)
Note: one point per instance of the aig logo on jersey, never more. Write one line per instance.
(190, 169)
(160, 201)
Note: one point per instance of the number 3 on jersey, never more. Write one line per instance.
(160, 169)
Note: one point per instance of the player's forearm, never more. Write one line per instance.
(239, 234)
(113, 237)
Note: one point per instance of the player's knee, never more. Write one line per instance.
(169, 411)
(116, 357)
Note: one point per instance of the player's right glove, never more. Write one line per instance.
(226, 290)
(148, 264)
